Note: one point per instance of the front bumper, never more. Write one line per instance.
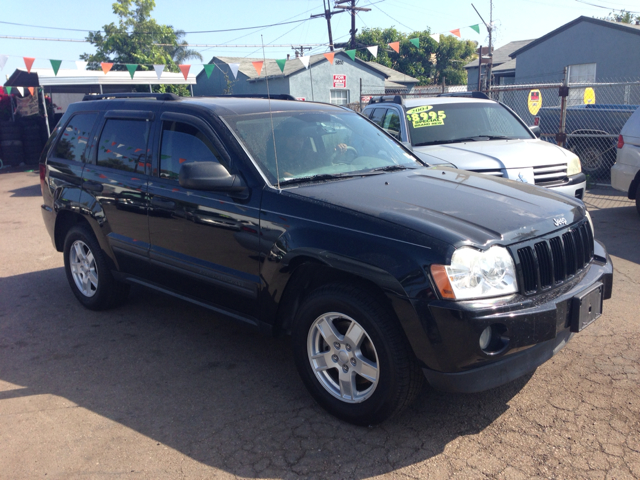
(574, 187)
(535, 329)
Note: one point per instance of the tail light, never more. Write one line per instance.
(620, 141)
(43, 174)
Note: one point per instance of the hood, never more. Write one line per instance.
(451, 205)
(494, 154)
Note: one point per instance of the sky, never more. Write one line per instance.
(513, 20)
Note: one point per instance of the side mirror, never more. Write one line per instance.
(209, 176)
(535, 129)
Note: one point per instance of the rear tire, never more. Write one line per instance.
(88, 272)
(353, 356)
(638, 199)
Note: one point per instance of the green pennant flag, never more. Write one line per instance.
(132, 68)
(476, 27)
(208, 68)
(415, 41)
(8, 90)
(351, 53)
(55, 64)
(281, 64)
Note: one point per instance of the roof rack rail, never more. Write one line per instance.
(157, 96)
(466, 94)
(273, 96)
(387, 99)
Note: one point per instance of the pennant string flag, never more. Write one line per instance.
(352, 54)
(21, 90)
(8, 90)
(106, 67)
(208, 68)
(31, 90)
(80, 65)
(436, 37)
(305, 61)
(28, 61)
(373, 50)
(476, 27)
(329, 56)
(281, 64)
(234, 69)
(159, 69)
(132, 68)
(456, 32)
(415, 42)
(3, 61)
(185, 70)
(258, 66)
(395, 46)
(55, 64)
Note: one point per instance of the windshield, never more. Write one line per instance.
(450, 123)
(317, 145)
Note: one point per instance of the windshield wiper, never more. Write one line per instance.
(326, 176)
(476, 138)
(393, 168)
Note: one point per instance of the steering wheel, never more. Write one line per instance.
(349, 155)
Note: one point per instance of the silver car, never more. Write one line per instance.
(479, 135)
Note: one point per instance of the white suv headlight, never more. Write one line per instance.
(476, 274)
(573, 166)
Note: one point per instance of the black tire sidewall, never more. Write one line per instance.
(105, 281)
(385, 399)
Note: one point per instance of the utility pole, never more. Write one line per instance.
(300, 51)
(490, 31)
(328, 14)
(353, 9)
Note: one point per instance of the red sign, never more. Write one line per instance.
(365, 99)
(301, 99)
(339, 81)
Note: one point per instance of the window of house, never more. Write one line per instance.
(340, 97)
(73, 141)
(582, 73)
(183, 143)
(123, 145)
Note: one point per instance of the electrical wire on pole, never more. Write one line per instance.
(490, 31)
(328, 14)
(353, 9)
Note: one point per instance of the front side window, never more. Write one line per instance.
(462, 122)
(183, 143)
(316, 143)
(378, 115)
(123, 145)
(392, 123)
(75, 136)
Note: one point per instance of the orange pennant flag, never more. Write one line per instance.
(32, 91)
(106, 67)
(395, 46)
(185, 70)
(28, 61)
(456, 32)
(258, 66)
(329, 56)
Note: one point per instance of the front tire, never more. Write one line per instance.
(353, 356)
(88, 272)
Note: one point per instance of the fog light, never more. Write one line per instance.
(485, 338)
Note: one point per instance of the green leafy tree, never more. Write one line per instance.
(622, 16)
(430, 63)
(180, 53)
(137, 39)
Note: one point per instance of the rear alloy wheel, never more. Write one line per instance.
(353, 356)
(88, 272)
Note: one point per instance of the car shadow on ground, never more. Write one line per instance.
(619, 229)
(214, 390)
(30, 191)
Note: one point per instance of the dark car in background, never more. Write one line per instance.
(306, 219)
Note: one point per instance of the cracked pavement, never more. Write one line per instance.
(162, 389)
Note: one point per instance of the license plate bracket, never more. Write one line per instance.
(586, 307)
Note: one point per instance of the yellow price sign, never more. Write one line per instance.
(534, 102)
(425, 116)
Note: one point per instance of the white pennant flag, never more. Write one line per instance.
(3, 61)
(305, 61)
(159, 69)
(80, 65)
(373, 50)
(436, 37)
(21, 90)
(234, 69)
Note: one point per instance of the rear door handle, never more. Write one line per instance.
(92, 186)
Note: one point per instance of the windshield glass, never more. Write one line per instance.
(317, 144)
(451, 122)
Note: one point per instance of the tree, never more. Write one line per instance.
(430, 63)
(135, 40)
(180, 53)
(622, 16)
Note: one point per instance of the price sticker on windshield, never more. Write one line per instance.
(425, 116)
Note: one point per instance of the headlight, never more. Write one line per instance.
(574, 167)
(476, 274)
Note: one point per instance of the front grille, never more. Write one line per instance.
(496, 172)
(551, 261)
(550, 174)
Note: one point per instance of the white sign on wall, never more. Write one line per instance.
(339, 81)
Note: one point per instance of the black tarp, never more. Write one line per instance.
(20, 78)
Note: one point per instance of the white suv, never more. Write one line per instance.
(625, 174)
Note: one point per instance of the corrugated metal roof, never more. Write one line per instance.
(97, 77)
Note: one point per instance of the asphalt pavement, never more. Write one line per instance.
(161, 389)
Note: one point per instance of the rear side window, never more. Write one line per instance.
(183, 143)
(72, 144)
(378, 116)
(123, 145)
(392, 123)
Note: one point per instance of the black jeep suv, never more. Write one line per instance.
(307, 219)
